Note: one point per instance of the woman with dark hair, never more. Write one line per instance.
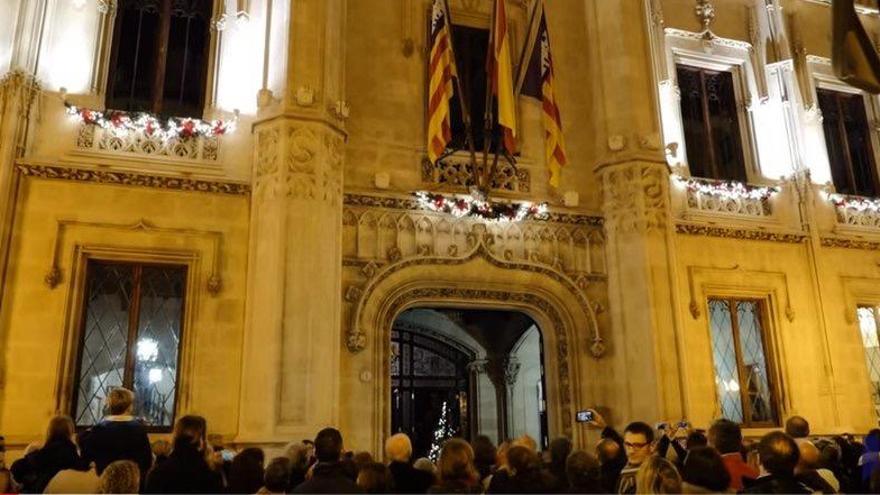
(187, 469)
(375, 477)
(36, 469)
(704, 471)
(457, 471)
(246, 472)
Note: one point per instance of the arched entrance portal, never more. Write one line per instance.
(466, 372)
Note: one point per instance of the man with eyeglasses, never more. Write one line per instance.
(637, 442)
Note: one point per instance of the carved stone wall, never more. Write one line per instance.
(636, 197)
(93, 138)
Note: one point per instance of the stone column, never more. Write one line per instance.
(635, 183)
(290, 377)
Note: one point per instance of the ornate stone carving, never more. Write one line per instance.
(635, 197)
(857, 211)
(457, 171)
(705, 13)
(842, 242)
(742, 234)
(21, 85)
(135, 143)
(749, 205)
(709, 43)
(132, 179)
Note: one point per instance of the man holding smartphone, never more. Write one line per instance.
(637, 443)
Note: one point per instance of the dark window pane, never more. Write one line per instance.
(158, 343)
(848, 138)
(186, 63)
(835, 140)
(470, 45)
(105, 338)
(711, 124)
(134, 57)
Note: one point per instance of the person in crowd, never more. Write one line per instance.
(583, 472)
(58, 452)
(6, 484)
(612, 460)
(456, 467)
(524, 474)
(831, 465)
(328, 475)
(704, 471)
(119, 436)
(668, 434)
(560, 448)
(870, 460)
(375, 477)
(426, 465)
(407, 479)
(246, 472)
(161, 450)
(525, 441)
(186, 470)
(726, 437)
(779, 455)
(695, 439)
(657, 475)
(300, 457)
(797, 427)
(806, 470)
(485, 458)
(120, 477)
(276, 476)
(75, 480)
(638, 440)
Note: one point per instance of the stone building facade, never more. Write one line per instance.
(302, 242)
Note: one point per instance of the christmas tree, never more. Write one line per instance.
(441, 433)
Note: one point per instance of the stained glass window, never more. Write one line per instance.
(711, 124)
(131, 329)
(742, 375)
(868, 328)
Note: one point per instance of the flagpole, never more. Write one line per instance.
(465, 111)
(529, 46)
(484, 183)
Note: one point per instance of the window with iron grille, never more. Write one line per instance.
(848, 138)
(711, 124)
(130, 337)
(868, 328)
(159, 56)
(742, 372)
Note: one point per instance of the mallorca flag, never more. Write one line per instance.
(441, 70)
(500, 70)
(538, 83)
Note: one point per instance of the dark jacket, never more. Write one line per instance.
(408, 479)
(456, 486)
(774, 484)
(185, 471)
(112, 440)
(35, 470)
(328, 477)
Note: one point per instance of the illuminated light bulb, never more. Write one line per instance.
(155, 375)
(147, 350)
(733, 386)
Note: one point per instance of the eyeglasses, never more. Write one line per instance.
(636, 445)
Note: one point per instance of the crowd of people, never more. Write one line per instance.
(115, 456)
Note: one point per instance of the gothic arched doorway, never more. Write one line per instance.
(466, 372)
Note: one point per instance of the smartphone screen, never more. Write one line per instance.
(584, 416)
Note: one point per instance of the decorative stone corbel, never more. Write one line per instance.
(304, 96)
(705, 13)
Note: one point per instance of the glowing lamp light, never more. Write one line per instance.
(731, 386)
(155, 375)
(147, 350)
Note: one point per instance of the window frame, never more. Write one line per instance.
(823, 79)
(105, 50)
(774, 385)
(875, 310)
(717, 54)
(70, 361)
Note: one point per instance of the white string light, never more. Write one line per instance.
(121, 123)
(726, 189)
(468, 206)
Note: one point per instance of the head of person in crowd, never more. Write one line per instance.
(456, 463)
(190, 432)
(704, 468)
(523, 461)
(161, 450)
(657, 475)
(560, 448)
(398, 448)
(328, 445)
(525, 441)
(638, 439)
(246, 471)
(829, 455)
(608, 451)
(361, 459)
(725, 436)
(808, 459)
(501, 454)
(583, 472)
(426, 465)
(120, 477)
(778, 454)
(797, 427)
(299, 455)
(60, 429)
(872, 441)
(277, 475)
(485, 455)
(696, 439)
(120, 401)
(375, 477)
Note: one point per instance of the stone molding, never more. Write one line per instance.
(298, 159)
(138, 179)
(480, 241)
(636, 197)
(739, 233)
(92, 139)
(19, 84)
(846, 243)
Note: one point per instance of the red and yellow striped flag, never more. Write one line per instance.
(500, 69)
(441, 70)
(538, 83)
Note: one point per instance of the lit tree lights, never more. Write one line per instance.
(468, 206)
(443, 432)
(120, 122)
